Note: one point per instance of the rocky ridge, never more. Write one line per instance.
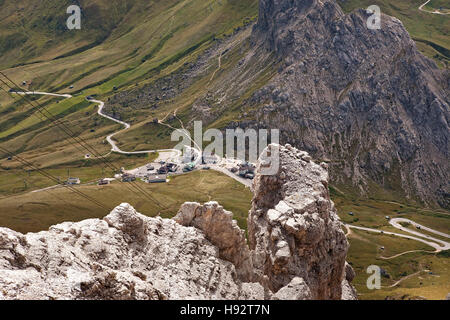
(297, 249)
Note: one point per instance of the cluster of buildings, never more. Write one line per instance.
(150, 174)
(77, 181)
(149, 178)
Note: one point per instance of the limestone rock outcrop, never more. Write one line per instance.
(348, 291)
(294, 230)
(297, 248)
(219, 227)
(124, 256)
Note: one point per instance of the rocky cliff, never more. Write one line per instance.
(294, 231)
(297, 249)
(367, 100)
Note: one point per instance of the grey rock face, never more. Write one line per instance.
(297, 289)
(298, 249)
(348, 291)
(124, 256)
(294, 231)
(219, 227)
(366, 99)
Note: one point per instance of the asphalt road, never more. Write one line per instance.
(167, 155)
(437, 244)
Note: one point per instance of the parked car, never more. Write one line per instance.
(172, 167)
(128, 178)
(250, 176)
(163, 170)
(103, 182)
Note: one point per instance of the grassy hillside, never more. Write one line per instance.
(440, 5)
(149, 40)
(36, 30)
(423, 274)
(141, 37)
(31, 212)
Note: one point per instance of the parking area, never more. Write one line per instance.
(171, 163)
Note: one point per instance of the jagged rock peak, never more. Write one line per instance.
(294, 231)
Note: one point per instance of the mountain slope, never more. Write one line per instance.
(430, 31)
(146, 42)
(36, 30)
(365, 100)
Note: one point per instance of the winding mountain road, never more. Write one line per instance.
(43, 94)
(437, 244)
(101, 105)
(395, 222)
(114, 147)
(433, 12)
(164, 154)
